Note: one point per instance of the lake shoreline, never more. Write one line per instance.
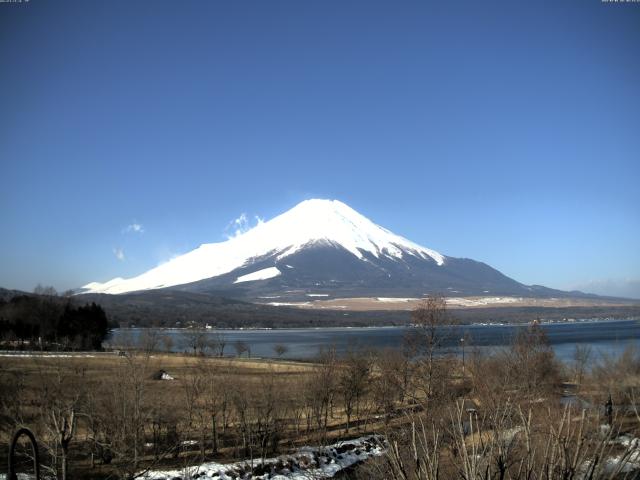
(391, 326)
(607, 335)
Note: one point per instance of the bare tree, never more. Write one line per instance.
(149, 340)
(241, 400)
(241, 347)
(432, 326)
(534, 369)
(399, 365)
(508, 442)
(62, 391)
(581, 358)
(218, 342)
(353, 379)
(268, 413)
(385, 387)
(321, 389)
(196, 340)
(47, 291)
(215, 399)
(280, 349)
(194, 385)
(122, 412)
(167, 342)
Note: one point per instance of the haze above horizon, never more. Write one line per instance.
(506, 132)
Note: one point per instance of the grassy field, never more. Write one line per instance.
(198, 385)
(226, 409)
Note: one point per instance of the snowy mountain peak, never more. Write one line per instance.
(335, 222)
(309, 223)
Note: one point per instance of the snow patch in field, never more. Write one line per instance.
(317, 294)
(393, 299)
(624, 463)
(480, 301)
(263, 274)
(288, 304)
(306, 463)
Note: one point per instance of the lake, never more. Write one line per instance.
(609, 337)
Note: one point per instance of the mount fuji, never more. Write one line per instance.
(321, 248)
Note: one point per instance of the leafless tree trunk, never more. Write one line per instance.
(432, 326)
(62, 391)
(353, 379)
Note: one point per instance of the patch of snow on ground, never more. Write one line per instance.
(317, 294)
(306, 463)
(478, 301)
(288, 304)
(392, 299)
(458, 301)
(263, 274)
(624, 463)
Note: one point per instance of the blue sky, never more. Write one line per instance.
(507, 132)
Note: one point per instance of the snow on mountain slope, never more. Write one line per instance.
(310, 222)
(263, 274)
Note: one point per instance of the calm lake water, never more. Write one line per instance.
(604, 337)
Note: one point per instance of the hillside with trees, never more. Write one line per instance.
(47, 321)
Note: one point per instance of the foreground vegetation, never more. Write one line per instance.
(488, 416)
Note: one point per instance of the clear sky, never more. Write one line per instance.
(507, 132)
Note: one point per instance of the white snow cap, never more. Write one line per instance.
(263, 274)
(308, 223)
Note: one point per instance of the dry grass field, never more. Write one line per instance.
(111, 415)
(253, 401)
